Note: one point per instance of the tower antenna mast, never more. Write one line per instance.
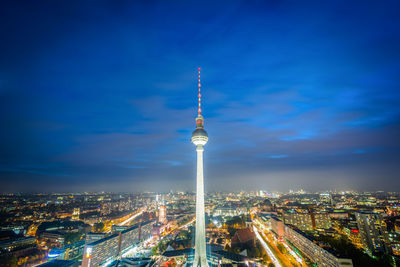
(199, 94)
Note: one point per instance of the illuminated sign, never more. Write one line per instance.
(54, 253)
(88, 251)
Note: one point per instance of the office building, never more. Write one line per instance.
(373, 232)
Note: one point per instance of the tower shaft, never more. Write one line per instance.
(200, 257)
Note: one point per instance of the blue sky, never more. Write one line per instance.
(101, 95)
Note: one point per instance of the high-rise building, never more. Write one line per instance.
(373, 233)
(200, 138)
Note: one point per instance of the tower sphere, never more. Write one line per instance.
(199, 137)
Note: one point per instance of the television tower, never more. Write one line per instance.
(200, 138)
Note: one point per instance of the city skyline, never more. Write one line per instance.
(100, 97)
(295, 229)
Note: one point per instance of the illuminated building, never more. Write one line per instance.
(200, 138)
(75, 214)
(373, 233)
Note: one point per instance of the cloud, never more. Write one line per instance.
(277, 156)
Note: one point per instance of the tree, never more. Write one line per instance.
(154, 251)
(72, 237)
(281, 248)
(231, 231)
(98, 227)
(256, 252)
(184, 235)
(9, 261)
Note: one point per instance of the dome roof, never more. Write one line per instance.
(199, 132)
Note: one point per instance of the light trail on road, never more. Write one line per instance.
(187, 224)
(267, 249)
(131, 218)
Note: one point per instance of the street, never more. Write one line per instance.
(270, 244)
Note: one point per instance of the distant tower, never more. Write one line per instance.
(162, 217)
(200, 138)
